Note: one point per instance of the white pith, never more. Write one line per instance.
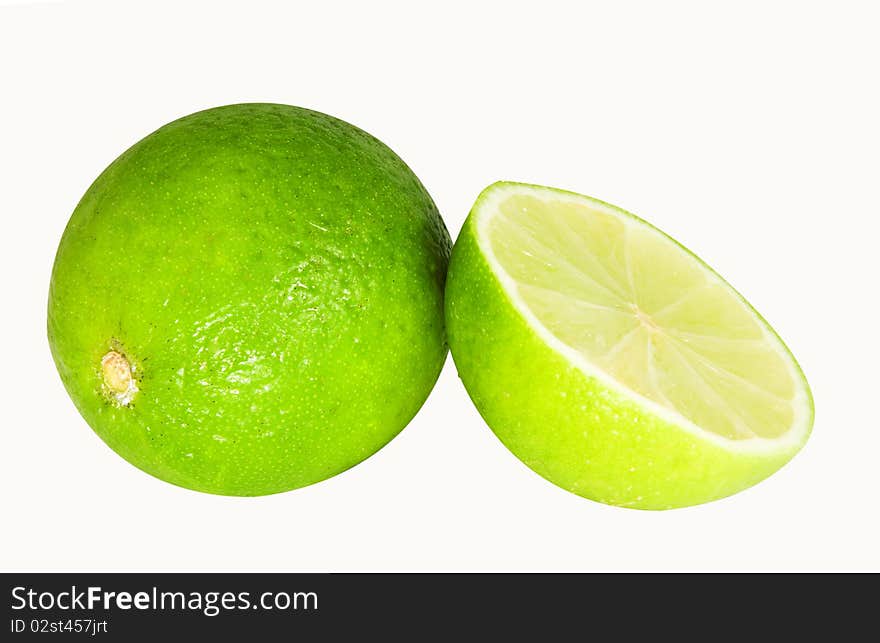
(487, 208)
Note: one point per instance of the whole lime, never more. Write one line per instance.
(250, 299)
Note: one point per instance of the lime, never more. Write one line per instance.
(250, 299)
(610, 359)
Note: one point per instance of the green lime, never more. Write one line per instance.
(250, 299)
(610, 359)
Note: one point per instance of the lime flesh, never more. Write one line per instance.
(663, 386)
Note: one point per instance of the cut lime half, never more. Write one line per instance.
(655, 358)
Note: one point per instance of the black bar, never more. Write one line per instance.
(418, 606)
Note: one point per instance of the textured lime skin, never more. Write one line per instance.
(275, 277)
(570, 427)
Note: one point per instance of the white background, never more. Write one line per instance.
(748, 131)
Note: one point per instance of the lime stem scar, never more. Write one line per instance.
(118, 380)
